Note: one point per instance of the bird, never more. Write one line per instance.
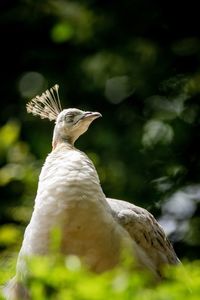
(70, 197)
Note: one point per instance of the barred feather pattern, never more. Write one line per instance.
(47, 105)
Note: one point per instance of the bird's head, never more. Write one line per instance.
(71, 123)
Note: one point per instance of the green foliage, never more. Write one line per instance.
(9, 133)
(9, 235)
(65, 278)
(18, 178)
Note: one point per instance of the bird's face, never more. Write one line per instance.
(72, 122)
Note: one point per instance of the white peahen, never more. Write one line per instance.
(70, 197)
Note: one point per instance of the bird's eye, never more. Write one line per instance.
(69, 117)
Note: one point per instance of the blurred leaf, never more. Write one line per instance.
(62, 32)
(9, 235)
(9, 133)
(10, 172)
(50, 279)
(155, 132)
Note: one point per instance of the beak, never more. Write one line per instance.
(91, 115)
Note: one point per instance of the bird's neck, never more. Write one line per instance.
(58, 140)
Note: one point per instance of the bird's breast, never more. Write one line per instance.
(68, 179)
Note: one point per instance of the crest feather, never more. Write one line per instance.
(47, 105)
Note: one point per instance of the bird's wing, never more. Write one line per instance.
(145, 231)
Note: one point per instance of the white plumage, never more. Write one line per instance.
(145, 231)
(70, 197)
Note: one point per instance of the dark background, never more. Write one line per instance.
(136, 62)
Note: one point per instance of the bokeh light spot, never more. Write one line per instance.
(31, 83)
(117, 89)
(180, 205)
(155, 132)
(62, 32)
